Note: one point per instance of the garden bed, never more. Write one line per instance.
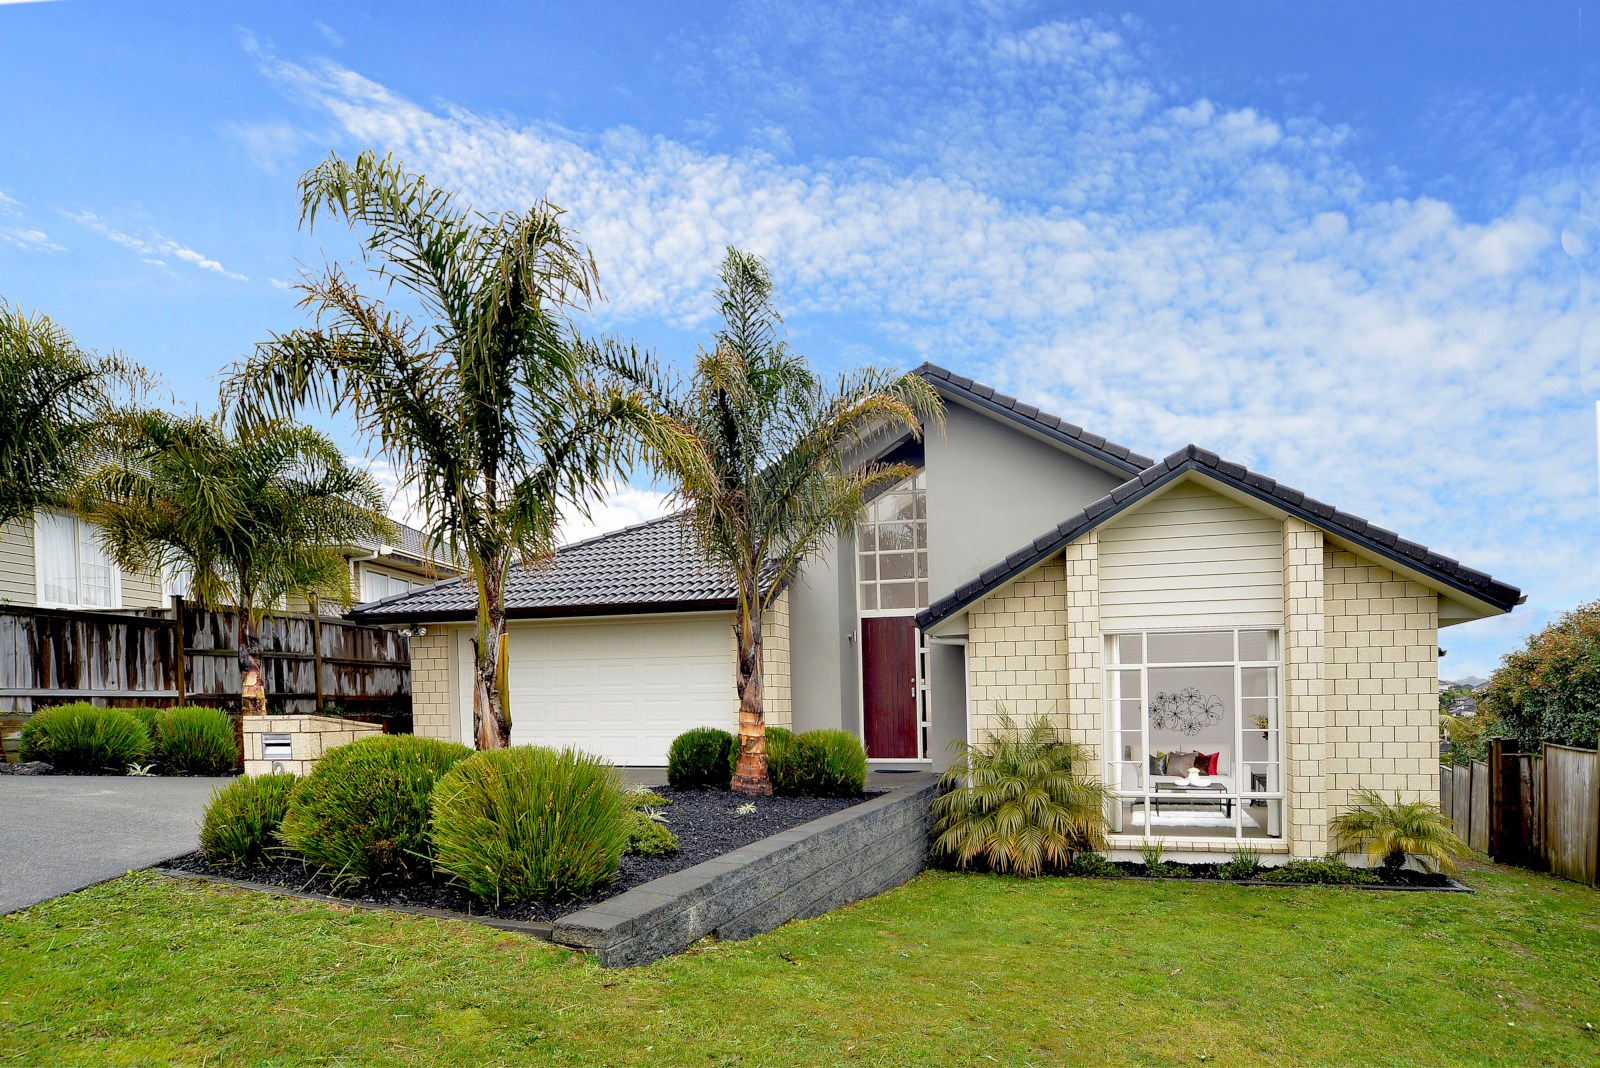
(705, 822)
(1177, 871)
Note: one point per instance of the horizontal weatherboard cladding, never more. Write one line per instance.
(1191, 558)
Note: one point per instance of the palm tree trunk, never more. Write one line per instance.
(750, 774)
(252, 688)
(491, 722)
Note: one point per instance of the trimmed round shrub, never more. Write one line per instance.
(241, 822)
(702, 758)
(86, 739)
(362, 813)
(649, 838)
(530, 823)
(192, 740)
(781, 766)
(825, 764)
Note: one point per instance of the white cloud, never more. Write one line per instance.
(1159, 267)
(271, 145)
(622, 505)
(152, 247)
(28, 238)
(329, 34)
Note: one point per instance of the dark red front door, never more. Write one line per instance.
(889, 686)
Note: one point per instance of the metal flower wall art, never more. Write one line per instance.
(1188, 711)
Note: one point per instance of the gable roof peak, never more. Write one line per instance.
(1107, 454)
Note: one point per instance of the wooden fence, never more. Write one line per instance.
(1540, 810)
(188, 655)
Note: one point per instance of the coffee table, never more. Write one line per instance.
(1183, 793)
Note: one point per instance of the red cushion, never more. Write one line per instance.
(1207, 762)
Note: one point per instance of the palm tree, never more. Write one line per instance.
(494, 411)
(770, 478)
(1019, 801)
(1389, 833)
(251, 515)
(55, 393)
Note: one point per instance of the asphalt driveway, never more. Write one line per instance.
(60, 833)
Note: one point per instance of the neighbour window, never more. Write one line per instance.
(1194, 726)
(73, 569)
(892, 551)
(375, 585)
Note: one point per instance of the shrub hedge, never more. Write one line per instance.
(363, 811)
(702, 758)
(530, 823)
(242, 821)
(85, 739)
(1330, 871)
(193, 740)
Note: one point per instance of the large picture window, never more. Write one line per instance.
(72, 568)
(1195, 733)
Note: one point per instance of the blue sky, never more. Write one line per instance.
(1345, 246)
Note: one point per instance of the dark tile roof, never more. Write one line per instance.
(1352, 528)
(648, 567)
(1109, 453)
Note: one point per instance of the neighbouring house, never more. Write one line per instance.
(55, 560)
(1166, 615)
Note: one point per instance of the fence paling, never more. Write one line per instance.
(1540, 810)
(52, 655)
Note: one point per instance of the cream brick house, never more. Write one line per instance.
(1186, 613)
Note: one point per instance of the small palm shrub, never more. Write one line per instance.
(1244, 864)
(1328, 871)
(649, 836)
(86, 739)
(702, 759)
(241, 822)
(1389, 833)
(530, 823)
(362, 813)
(820, 763)
(1020, 801)
(192, 740)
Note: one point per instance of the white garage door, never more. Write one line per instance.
(621, 689)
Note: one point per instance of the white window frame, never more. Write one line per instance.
(1241, 795)
(80, 528)
(917, 486)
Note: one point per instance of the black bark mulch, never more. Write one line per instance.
(705, 822)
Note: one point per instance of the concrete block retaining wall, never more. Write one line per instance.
(800, 873)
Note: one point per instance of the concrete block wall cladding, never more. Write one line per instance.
(1034, 647)
(803, 872)
(309, 738)
(1382, 634)
(432, 707)
(776, 671)
(1304, 712)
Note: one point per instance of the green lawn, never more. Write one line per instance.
(946, 970)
